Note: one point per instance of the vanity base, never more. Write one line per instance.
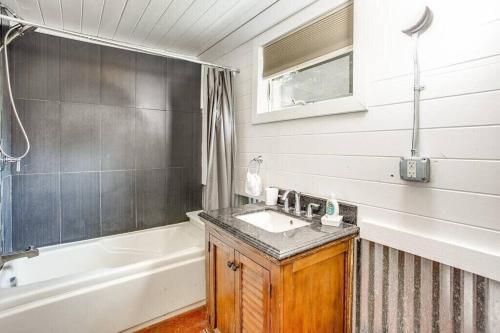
(250, 291)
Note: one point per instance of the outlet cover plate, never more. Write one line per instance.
(415, 169)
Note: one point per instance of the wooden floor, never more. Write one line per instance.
(193, 321)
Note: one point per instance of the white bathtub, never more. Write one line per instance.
(105, 285)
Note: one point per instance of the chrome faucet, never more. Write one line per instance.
(30, 252)
(297, 201)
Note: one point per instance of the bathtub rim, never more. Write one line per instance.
(53, 247)
(38, 291)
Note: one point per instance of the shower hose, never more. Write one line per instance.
(19, 30)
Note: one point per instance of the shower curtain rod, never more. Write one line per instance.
(116, 44)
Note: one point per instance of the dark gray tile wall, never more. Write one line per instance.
(179, 137)
(35, 210)
(151, 191)
(80, 206)
(177, 199)
(150, 135)
(115, 137)
(41, 120)
(80, 72)
(195, 191)
(117, 77)
(80, 137)
(182, 86)
(36, 63)
(150, 86)
(117, 202)
(6, 214)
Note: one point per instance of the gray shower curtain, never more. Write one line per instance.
(219, 191)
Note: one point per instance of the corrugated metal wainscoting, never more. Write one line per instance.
(398, 292)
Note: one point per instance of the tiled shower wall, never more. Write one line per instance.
(115, 141)
(400, 292)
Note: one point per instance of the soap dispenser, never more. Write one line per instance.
(332, 217)
(332, 205)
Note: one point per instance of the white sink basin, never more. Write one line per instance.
(272, 221)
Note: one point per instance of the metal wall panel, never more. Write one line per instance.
(396, 291)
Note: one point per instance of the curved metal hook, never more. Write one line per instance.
(422, 24)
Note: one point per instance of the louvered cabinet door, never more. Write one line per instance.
(222, 287)
(253, 293)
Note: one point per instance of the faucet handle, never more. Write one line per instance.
(310, 208)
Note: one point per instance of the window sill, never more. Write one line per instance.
(335, 106)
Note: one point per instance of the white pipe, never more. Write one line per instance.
(116, 44)
(414, 31)
(417, 88)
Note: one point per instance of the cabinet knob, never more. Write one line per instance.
(233, 266)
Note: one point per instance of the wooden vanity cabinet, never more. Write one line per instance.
(249, 291)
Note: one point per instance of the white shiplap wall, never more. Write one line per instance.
(356, 155)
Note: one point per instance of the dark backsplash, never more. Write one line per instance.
(116, 140)
(349, 212)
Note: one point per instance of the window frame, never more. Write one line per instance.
(261, 112)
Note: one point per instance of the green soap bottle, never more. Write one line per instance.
(332, 206)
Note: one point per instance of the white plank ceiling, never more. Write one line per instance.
(190, 27)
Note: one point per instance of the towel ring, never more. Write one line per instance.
(255, 163)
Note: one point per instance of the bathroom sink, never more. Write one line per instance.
(272, 221)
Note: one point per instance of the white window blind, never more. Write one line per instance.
(326, 35)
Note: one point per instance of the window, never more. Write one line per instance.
(319, 82)
(311, 64)
(308, 71)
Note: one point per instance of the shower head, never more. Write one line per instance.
(25, 29)
(422, 24)
(17, 31)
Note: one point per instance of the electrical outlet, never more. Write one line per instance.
(411, 169)
(415, 169)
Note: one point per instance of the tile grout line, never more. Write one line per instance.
(173, 110)
(100, 134)
(60, 46)
(134, 150)
(100, 142)
(60, 152)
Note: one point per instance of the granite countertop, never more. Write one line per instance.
(279, 245)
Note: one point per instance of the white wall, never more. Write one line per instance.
(356, 155)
